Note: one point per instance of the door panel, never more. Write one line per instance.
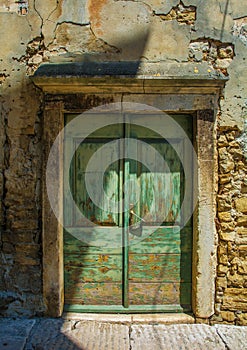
(154, 293)
(93, 275)
(163, 240)
(97, 273)
(153, 271)
(159, 267)
(77, 293)
(84, 151)
(160, 193)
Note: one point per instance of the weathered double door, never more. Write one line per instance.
(126, 247)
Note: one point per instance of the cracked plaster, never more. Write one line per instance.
(129, 17)
(233, 106)
(77, 42)
(212, 22)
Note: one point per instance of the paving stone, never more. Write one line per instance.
(18, 328)
(12, 343)
(88, 335)
(45, 330)
(175, 337)
(234, 337)
(14, 333)
(102, 336)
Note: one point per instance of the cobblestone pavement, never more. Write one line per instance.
(71, 334)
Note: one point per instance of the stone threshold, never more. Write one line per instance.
(172, 318)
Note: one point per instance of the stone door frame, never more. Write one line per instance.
(196, 97)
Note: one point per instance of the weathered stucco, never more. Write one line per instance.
(198, 34)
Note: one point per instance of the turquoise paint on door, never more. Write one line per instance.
(152, 272)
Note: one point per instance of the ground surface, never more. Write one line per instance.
(116, 334)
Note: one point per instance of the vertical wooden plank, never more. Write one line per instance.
(68, 209)
(126, 224)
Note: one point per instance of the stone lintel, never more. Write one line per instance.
(133, 77)
(69, 85)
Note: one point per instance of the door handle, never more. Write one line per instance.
(135, 228)
(131, 211)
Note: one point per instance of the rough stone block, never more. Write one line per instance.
(235, 299)
(222, 255)
(239, 265)
(222, 141)
(241, 204)
(222, 269)
(221, 282)
(228, 316)
(223, 63)
(242, 319)
(236, 280)
(20, 236)
(223, 153)
(224, 203)
(225, 178)
(242, 220)
(8, 248)
(225, 216)
(227, 226)
(227, 236)
(242, 231)
(243, 250)
(27, 278)
(226, 166)
(244, 188)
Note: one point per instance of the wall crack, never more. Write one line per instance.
(42, 21)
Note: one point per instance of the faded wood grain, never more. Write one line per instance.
(168, 240)
(160, 267)
(99, 273)
(158, 293)
(95, 239)
(94, 294)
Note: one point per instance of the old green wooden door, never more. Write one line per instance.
(147, 268)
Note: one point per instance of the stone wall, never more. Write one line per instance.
(189, 32)
(231, 282)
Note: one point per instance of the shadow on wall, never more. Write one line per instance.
(99, 64)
